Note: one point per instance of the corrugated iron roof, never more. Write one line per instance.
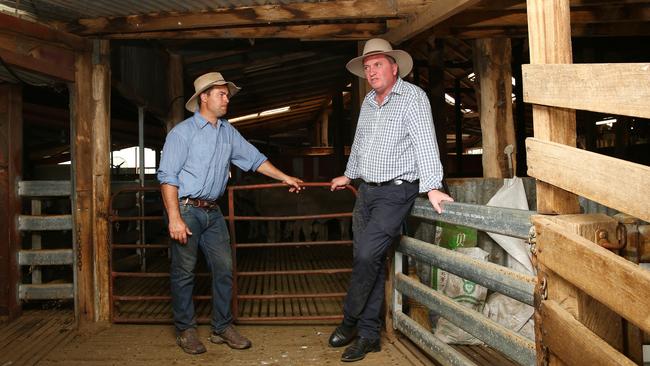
(72, 10)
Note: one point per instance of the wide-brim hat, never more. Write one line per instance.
(378, 46)
(206, 81)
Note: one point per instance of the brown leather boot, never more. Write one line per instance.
(232, 338)
(189, 341)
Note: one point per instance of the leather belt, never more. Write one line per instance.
(392, 182)
(199, 203)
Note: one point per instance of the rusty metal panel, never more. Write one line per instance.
(45, 257)
(42, 223)
(46, 291)
(495, 277)
(439, 350)
(498, 220)
(495, 335)
(44, 188)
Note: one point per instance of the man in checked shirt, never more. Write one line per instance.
(396, 156)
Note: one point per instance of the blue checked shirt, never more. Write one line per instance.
(396, 140)
(196, 157)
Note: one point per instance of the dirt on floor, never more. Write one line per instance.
(155, 345)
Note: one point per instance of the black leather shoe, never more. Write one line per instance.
(357, 351)
(342, 335)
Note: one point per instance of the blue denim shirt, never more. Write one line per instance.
(196, 157)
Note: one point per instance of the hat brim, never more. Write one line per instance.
(191, 104)
(402, 58)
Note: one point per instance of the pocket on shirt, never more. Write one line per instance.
(224, 151)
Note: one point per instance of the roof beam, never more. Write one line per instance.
(253, 15)
(37, 56)
(356, 31)
(40, 32)
(495, 18)
(427, 18)
(629, 29)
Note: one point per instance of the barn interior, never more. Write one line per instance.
(88, 91)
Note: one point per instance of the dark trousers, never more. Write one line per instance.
(379, 213)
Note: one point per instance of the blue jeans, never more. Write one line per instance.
(209, 232)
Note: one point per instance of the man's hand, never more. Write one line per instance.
(294, 183)
(339, 183)
(179, 231)
(436, 198)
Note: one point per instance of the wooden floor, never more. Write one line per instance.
(154, 345)
(33, 335)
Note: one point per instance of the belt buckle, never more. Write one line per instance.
(398, 182)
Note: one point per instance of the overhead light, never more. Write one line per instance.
(609, 122)
(243, 118)
(275, 111)
(260, 114)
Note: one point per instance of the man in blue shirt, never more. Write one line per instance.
(193, 174)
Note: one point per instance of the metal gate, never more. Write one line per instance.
(139, 243)
(39, 227)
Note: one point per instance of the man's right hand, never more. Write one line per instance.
(339, 183)
(179, 231)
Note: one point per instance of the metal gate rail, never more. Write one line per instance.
(510, 222)
(35, 224)
(115, 299)
(232, 218)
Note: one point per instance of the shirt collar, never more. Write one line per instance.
(398, 88)
(200, 121)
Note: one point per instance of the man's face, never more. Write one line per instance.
(380, 72)
(215, 100)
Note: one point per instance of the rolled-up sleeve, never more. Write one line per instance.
(421, 130)
(244, 154)
(173, 157)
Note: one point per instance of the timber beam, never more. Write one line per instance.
(243, 16)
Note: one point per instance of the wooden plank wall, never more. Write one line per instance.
(584, 289)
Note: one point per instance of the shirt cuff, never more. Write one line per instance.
(259, 162)
(172, 181)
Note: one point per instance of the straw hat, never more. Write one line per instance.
(378, 46)
(206, 81)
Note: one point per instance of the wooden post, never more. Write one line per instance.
(338, 131)
(176, 91)
(101, 110)
(492, 59)
(90, 131)
(549, 38)
(11, 139)
(520, 109)
(360, 88)
(458, 117)
(437, 95)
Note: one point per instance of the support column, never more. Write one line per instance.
(90, 125)
(492, 66)
(437, 96)
(549, 38)
(11, 162)
(338, 131)
(458, 118)
(176, 92)
(520, 109)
